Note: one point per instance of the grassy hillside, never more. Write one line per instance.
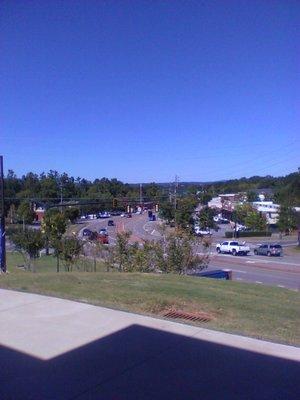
(252, 310)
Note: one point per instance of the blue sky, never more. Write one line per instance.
(144, 90)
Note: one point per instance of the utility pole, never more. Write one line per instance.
(141, 194)
(61, 196)
(170, 193)
(2, 222)
(175, 199)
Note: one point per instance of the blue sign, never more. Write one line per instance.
(216, 274)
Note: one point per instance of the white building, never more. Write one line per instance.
(269, 209)
(215, 202)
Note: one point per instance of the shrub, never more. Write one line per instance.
(230, 234)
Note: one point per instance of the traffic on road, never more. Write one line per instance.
(249, 262)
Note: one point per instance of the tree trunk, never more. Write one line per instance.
(47, 247)
(32, 264)
(57, 263)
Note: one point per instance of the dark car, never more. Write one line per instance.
(128, 215)
(110, 223)
(87, 232)
(268, 249)
(115, 213)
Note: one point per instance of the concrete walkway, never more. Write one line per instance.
(59, 349)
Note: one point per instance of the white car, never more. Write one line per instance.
(233, 247)
(201, 232)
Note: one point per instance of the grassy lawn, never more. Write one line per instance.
(252, 310)
(292, 251)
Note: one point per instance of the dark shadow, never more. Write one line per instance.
(142, 363)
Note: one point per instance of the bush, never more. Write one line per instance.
(229, 234)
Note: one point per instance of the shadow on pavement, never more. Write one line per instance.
(143, 363)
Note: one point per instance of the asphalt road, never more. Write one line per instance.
(282, 271)
(255, 271)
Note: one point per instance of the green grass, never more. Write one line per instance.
(252, 310)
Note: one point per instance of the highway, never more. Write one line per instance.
(283, 272)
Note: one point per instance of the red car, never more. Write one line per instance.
(102, 238)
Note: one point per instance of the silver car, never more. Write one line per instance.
(268, 249)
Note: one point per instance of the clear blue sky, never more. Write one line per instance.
(144, 90)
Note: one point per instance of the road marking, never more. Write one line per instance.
(239, 279)
(258, 282)
(258, 260)
(241, 272)
(152, 233)
(144, 228)
(281, 286)
(250, 262)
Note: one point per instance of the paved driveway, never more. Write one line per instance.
(59, 349)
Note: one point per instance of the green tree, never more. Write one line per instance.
(180, 256)
(167, 212)
(54, 226)
(205, 218)
(251, 196)
(29, 243)
(287, 218)
(152, 191)
(122, 250)
(71, 248)
(241, 212)
(204, 198)
(71, 214)
(26, 213)
(255, 221)
(184, 213)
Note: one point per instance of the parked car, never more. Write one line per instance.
(201, 232)
(268, 249)
(103, 238)
(234, 248)
(221, 220)
(224, 221)
(86, 232)
(110, 223)
(115, 213)
(103, 231)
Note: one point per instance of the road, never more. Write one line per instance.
(282, 272)
(262, 272)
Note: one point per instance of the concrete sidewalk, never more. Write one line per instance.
(60, 349)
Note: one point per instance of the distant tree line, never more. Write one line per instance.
(285, 189)
(47, 189)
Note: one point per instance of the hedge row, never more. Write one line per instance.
(230, 234)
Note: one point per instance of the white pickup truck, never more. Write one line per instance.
(234, 248)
